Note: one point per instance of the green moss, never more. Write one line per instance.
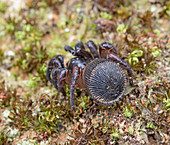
(49, 118)
(156, 52)
(121, 29)
(131, 130)
(127, 112)
(167, 103)
(3, 6)
(10, 27)
(20, 35)
(52, 52)
(150, 125)
(1, 56)
(133, 58)
(115, 134)
(105, 15)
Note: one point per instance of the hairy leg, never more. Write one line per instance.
(61, 76)
(124, 65)
(74, 78)
(54, 78)
(49, 70)
(93, 48)
(61, 59)
(80, 45)
(106, 48)
(53, 65)
(109, 47)
(79, 51)
(69, 49)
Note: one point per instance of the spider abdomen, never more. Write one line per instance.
(105, 81)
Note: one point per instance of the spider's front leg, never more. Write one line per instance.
(123, 64)
(57, 70)
(61, 76)
(79, 50)
(57, 62)
(74, 78)
(49, 70)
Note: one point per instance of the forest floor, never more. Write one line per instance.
(32, 111)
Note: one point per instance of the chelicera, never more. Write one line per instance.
(99, 71)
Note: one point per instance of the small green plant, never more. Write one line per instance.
(105, 15)
(32, 54)
(115, 134)
(49, 118)
(32, 82)
(155, 52)
(167, 103)
(127, 112)
(3, 137)
(121, 29)
(32, 60)
(3, 6)
(143, 57)
(21, 115)
(10, 25)
(133, 58)
(85, 101)
(6, 93)
(150, 125)
(166, 9)
(131, 130)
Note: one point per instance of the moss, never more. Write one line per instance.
(3, 6)
(150, 125)
(105, 15)
(127, 112)
(115, 134)
(1, 56)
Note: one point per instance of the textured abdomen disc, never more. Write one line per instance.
(105, 81)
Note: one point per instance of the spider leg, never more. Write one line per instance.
(61, 81)
(69, 49)
(124, 65)
(93, 48)
(81, 45)
(80, 50)
(49, 70)
(57, 63)
(54, 63)
(74, 78)
(106, 47)
(54, 80)
(58, 79)
(61, 59)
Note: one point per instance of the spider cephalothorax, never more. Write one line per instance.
(99, 71)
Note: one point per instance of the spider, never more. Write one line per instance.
(100, 72)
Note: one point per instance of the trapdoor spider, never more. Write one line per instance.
(99, 71)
